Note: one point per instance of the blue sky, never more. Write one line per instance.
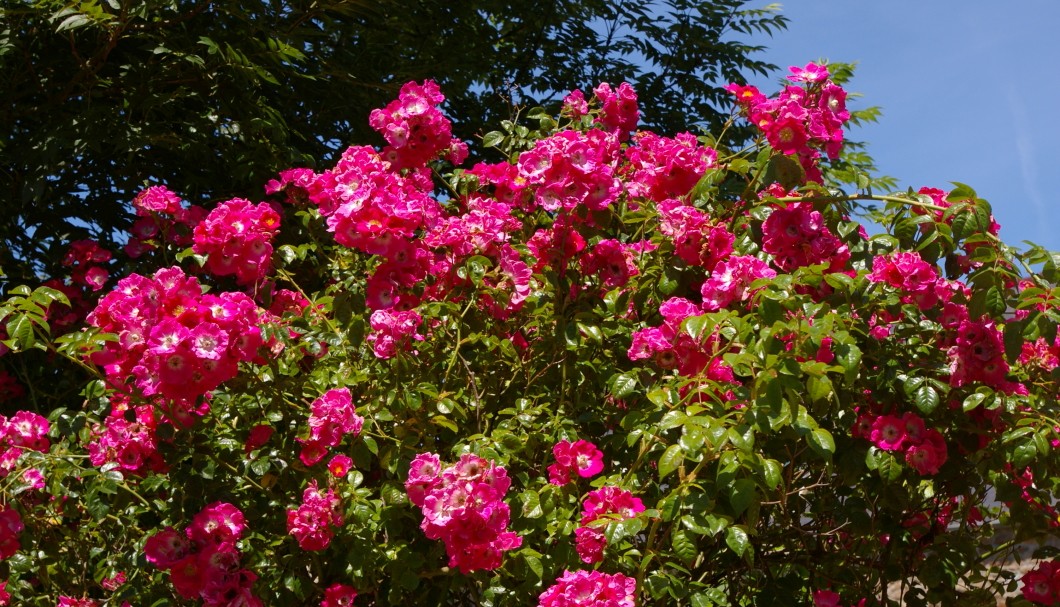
(970, 92)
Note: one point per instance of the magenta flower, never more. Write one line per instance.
(811, 73)
(590, 543)
(333, 417)
(888, 432)
(340, 465)
(825, 598)
(339, 595)
(313, 523)
(166, 548)
(217, 523)
(929, 455)
(11, 527)
(463, 505)
(1038, 585)
(156, 199)
(590, 589)
(580, 456)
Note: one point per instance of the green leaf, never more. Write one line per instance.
(737, 540)
(619, 530)
(1013, 337)
(889, 468)
(742, 495)
(493, 139)
(684, 545)
(771, 473)
(964, 224)
(819, 387)
(926, 399)
(20, 332)
(73, 22)
(699, 326)
(623, 385)
(995, 301)
(532, 505)
(534, 564)
(849, 357)
(670, 460)
(1041, 442)
(821, 441)
(973, 400)
(46, 295)
(1023, 454)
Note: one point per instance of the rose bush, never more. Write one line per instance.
(612, 368)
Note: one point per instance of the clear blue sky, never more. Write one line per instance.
(970, 92)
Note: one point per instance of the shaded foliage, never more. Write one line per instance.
(213, 97)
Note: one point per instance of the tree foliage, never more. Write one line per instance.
(105, 97)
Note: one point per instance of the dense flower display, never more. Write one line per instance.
(680, 360)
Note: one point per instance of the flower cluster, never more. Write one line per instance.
(600, 508)
(796, 236)
(731, 280)
(175, 344)
(204, 561)
(128, 437)
(332, 417)
(416, 129)
(237, 237)
(24, 431)
(590, 589)
(612, 262)
(173, 340)
(581, 456)
(672, 347)
(696, 240)
(1041, 585)
(85, 259)
(978, 355)
(619, 112)
(313, 523)
(393, 331)
(162, 218)
(924, 448)
(800, 120)
(370, 206)
(662, 167)
(483, 230)
(463, 506)
(910, 274)
(569, 170)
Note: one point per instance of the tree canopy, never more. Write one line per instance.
(212, 98)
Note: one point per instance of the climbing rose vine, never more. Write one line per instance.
(598, 366)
